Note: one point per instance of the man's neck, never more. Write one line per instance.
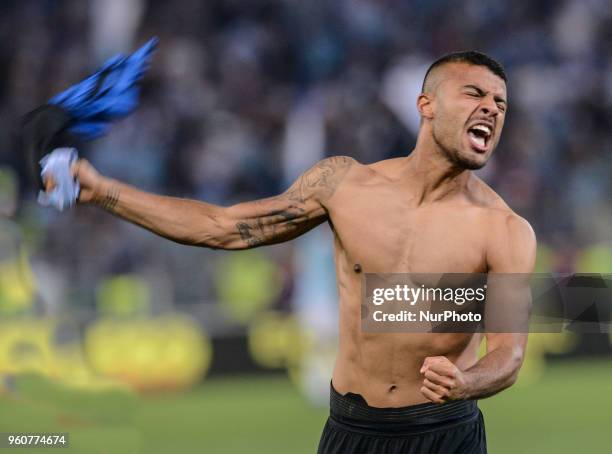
(431, 172)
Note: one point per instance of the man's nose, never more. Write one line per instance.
(488, 106)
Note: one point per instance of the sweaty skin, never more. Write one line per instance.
(423, 213)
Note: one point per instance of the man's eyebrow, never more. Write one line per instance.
(481, 92)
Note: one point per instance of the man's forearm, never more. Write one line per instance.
(180, 220)
(495, 371)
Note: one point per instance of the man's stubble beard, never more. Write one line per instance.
(455, 157)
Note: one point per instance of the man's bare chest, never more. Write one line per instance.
(389, 236)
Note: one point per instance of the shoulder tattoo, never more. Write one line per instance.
(323, 178)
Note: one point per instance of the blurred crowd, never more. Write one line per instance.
(243, 96)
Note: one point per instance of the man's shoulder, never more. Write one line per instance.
(324, 178)
(386, 164)
(373, 173)
(499, 217)
(351, 169)
(511, 244)
(343, 175)
(486, 197)
(511, 241)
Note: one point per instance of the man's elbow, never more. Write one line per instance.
(213, 231)
(216, 240)
(205, 241)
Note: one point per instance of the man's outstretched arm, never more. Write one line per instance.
(245, 225)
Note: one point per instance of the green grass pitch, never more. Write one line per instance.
(567, 411)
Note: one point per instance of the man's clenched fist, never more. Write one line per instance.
(89, 179)
(443, 381)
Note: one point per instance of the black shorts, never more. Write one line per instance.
(353, 427)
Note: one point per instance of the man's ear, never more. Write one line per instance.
(425, 106)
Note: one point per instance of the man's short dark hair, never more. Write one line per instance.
(470, 57)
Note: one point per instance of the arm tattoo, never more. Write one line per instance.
(245, 233)
(110, 199)
(273, 224)
(324, 178)
(319, 183)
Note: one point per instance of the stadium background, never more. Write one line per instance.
(132, 343)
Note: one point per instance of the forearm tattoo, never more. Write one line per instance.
(246, 233)
(110, 198)
(319, 183)
(271, 225)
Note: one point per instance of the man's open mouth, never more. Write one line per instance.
(479, 135)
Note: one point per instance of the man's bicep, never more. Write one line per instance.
(512, 248)
(291, 214)
(510, 260)
(515, 341)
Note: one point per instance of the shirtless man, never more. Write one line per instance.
(427, 212)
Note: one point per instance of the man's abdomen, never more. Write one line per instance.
(385, 367)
